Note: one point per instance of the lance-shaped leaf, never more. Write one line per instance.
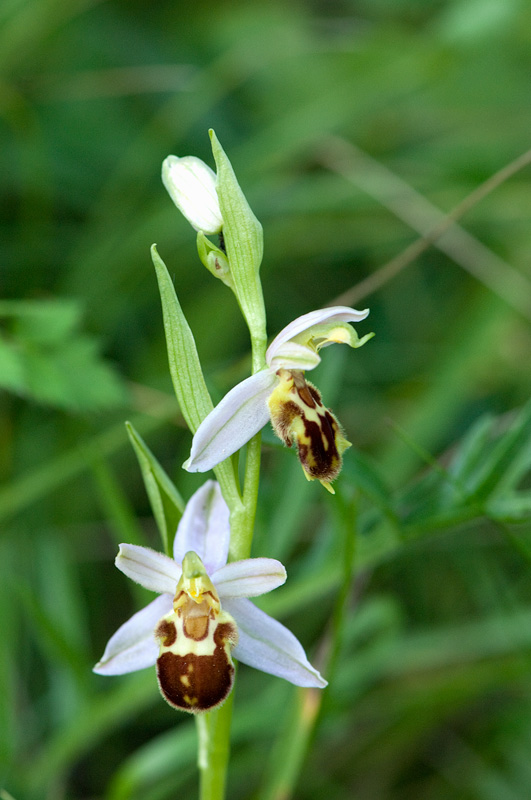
(185, 368)
(186, 373)
(166, 502)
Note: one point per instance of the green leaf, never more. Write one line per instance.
(243, 241)
(499, 461)
(471, 450)
(166, 502)
(45, 359)
(185, 368)
(48, 322)
(11, 367)
(186, 373)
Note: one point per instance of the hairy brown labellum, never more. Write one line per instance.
(194, 668)
(299, 417)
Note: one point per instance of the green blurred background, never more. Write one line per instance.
(411, 588)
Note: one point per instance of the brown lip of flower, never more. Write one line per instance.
(195, 671)
(299, 417)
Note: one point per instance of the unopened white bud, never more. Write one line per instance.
(191, 185)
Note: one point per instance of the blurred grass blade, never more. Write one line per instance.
(497, 463)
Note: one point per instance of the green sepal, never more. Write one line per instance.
(244, 242)
(165, 500)
(186, 373)
(214, 259)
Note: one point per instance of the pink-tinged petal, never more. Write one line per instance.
(292, 355)
(204, 528)
(318, 317)
(264, 643)
(235, 420)
(150, 569)
(248, 578)
(133, 646)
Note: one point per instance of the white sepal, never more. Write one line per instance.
(310, 320)
(191, 185)
(264, 643)
(249, 577)
(204, 528)
(133, 646)
(152, 570)
(292, 355)
(241, 414)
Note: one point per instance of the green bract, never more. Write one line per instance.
(243, 237)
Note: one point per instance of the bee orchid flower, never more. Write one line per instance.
(202, 616)
(281, 393)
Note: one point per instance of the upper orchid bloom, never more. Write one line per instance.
(281, 393)
(202, 616)
(191, 185)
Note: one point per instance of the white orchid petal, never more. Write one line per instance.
(248, 578)
(292, 355)
(264, 643)
(332, 314)
(133, 646)
(150, 569)
(191, 185)
(204, 528)
(235, 420)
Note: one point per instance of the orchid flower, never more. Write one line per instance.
(191, 185)
(280, 392)
(202, 616)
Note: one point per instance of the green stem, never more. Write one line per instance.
(213, 733)
(242, 516)
(213, 728)
(258, 347)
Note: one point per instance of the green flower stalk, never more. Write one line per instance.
(202, 619)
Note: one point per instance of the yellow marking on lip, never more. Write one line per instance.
(299, 416)
(198, 683)
(192, 701)
(194, 668)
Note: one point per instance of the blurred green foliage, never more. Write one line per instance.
(411, 587)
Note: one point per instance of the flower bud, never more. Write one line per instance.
(191, 185)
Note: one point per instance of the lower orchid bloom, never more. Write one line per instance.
(281, 393)
(202, 616)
